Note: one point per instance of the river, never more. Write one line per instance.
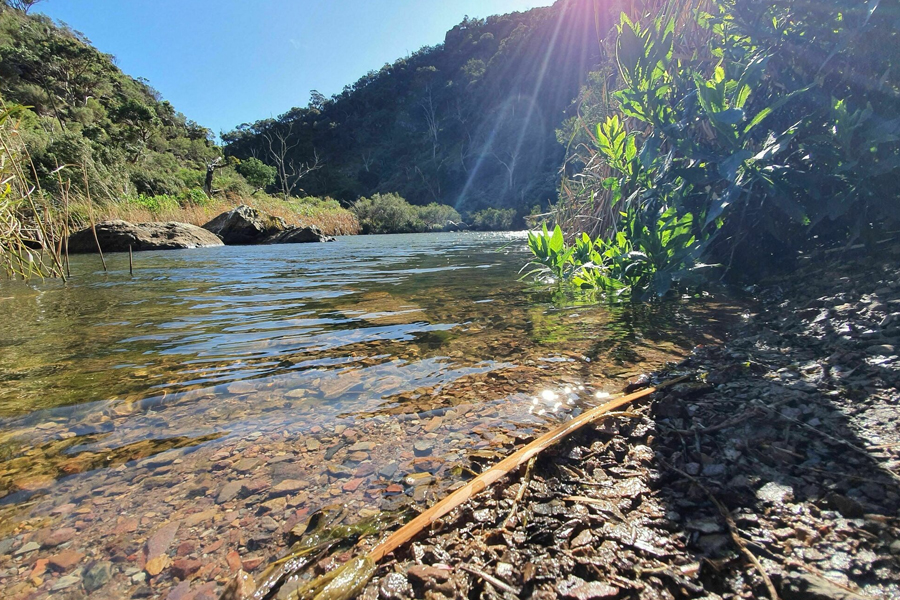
(201, 408)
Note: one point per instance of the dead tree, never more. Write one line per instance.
(211, 167)
(432, 121)
(368, 158)
(509, 163)
(290, 172)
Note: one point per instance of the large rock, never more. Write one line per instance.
(299, 235)
(245, 225)
(117, 236)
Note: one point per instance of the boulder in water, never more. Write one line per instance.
(245, 225)
(117, 236)
(299, 235)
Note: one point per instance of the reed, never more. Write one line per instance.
(32, 226)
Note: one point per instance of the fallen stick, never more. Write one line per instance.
(516, 459)
(498, 584)
(348, 580)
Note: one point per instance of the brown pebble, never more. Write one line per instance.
(353, 484)
(40, 567)
(185, 567)
(65, 560)
(234, 561)
(60, 536)
(126, 526)
(426, 574)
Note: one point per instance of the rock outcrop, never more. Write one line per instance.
(246, 225)
(300, 235)
(117, 236)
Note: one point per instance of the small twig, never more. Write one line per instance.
(834, 439)
(130, 261)
(521, 493)
(500, 585)
(821, 575)
(753, 412)
(833, 473)
(883, 446)
(819, 431)
(732, 528)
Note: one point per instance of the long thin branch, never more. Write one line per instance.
(523, 455)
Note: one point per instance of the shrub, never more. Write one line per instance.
(194, 196)
(257, 173)
(390, 213)
(387, 213)
(493, 219)
(720, 128)
(155, 204)
(438, 216)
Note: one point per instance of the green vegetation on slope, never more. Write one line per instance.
(469, 123)
(88, 140)
(84, 111)
(730, 131)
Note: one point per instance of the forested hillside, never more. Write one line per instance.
(470, 122)
(82, 140)
(83, 110)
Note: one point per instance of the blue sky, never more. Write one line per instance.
(225, 62)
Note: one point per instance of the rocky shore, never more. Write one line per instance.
(779, 457)
(243, 225)
(773, 473)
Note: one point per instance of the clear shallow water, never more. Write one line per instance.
(318, 363)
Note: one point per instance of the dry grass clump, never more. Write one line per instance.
(326, 214)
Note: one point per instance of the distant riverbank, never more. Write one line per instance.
(326, 214)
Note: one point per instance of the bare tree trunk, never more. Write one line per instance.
(210, 171)
(368, 158)
(432, 121)
(510, 166)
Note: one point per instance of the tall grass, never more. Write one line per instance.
(32, 229)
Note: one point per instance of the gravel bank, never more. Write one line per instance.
(780, 457)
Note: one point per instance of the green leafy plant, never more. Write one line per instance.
(154, 204)
(643, 260)
(551, 255)
(772, 127)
